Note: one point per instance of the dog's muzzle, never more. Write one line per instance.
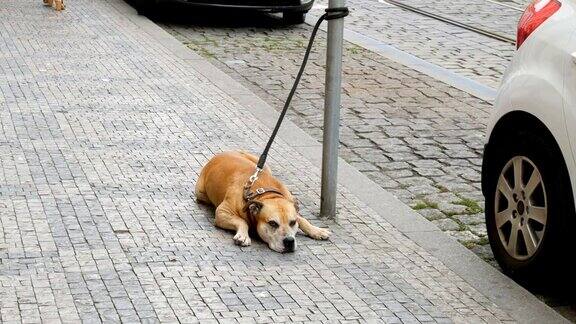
(289, 244)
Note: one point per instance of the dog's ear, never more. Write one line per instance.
(254, 208)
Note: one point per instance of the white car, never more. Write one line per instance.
(529, 168)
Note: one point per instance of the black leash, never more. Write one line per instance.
(331, 13)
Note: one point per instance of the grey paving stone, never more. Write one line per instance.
(478, 229)
(432, 213)
(471, 219)
(464, 236)
(446, 224)
(451, 209)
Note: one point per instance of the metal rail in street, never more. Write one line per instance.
(506, 5)
(452, 22)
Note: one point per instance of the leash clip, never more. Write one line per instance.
(254, 177)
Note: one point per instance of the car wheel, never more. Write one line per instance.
(294, 17)
(528, 203)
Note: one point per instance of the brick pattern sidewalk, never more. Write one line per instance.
(103, 133)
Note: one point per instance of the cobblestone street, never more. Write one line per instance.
(410, 133)
(465, 52)
(106, 121)
(497, 16)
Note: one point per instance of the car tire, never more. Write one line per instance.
(537, 211)
(294, 18)
(144, 7)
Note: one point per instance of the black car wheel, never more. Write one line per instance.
(528, 204)
(294, 17)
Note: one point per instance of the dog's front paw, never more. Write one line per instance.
(319, 233)
(242, 239)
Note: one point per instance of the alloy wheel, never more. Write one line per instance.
(521, 209)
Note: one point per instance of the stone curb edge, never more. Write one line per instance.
(501, 290)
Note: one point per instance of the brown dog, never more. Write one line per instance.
(57, 4)
(267, 206)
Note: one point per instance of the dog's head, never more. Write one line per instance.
(276, 221)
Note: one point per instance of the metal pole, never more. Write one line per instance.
(332, 113)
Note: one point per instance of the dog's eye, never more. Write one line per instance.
(292, 223)
(273, 224)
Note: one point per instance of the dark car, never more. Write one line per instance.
(293, 11)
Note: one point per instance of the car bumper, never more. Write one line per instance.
(259, 5)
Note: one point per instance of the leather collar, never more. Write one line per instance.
(251, 195)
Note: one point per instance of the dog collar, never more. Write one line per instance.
(251, 195)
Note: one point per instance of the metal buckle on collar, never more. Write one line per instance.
(260, 191)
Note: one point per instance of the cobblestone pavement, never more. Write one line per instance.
(467, 53)
(493, 16)
(103, 133)
(413, 135)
